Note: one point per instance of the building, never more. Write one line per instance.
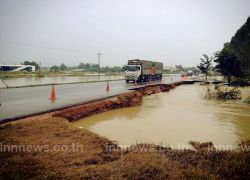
(13, 68)
(170, 68)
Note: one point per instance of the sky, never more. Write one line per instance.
(174, 32)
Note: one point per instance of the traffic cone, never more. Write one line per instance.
(107, 87)
(53, 94)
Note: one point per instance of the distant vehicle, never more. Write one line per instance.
(143, 71)
(190, 73)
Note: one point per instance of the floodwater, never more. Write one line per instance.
(174, 118)
(25, 81)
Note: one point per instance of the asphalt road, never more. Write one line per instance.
(18, 102)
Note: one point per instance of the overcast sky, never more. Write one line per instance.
(72, 31)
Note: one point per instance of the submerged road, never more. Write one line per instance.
(18, 102)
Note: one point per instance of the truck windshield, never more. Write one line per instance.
(132, 68)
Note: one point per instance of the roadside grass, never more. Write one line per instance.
(93, 161)
(53, 132)
(5, 75)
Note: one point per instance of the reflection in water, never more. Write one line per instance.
(57, 79)
(174, 118)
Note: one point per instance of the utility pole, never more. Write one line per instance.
(99, 62)
(40, 70)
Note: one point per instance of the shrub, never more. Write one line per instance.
(228, 94)
(39, 74)
(223, 94)
(240, 82)
(247, 100)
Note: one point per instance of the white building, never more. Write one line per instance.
(10, 67)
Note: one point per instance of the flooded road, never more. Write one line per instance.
(174, 118)
(26, 81)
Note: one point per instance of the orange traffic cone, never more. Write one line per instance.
(53, 94)
(107, 87)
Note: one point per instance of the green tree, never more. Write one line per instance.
(32, 63)
(63, 67)
(206, 64)
(81, 66)
(227, 63)
(240, 43)
(87, 66)
(55, 68)
(94, 68)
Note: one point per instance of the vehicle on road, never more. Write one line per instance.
(189, 73)
(143, 71)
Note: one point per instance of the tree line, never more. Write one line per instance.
(88, 67)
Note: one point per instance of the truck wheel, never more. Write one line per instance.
(127, 81)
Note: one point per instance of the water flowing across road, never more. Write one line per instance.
(33, 81)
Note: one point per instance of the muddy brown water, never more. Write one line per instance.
(174, 118)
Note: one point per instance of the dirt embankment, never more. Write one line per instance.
(130, 99)
(123, 100)
(66, 152)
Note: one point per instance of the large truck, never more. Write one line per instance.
(143, 71)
